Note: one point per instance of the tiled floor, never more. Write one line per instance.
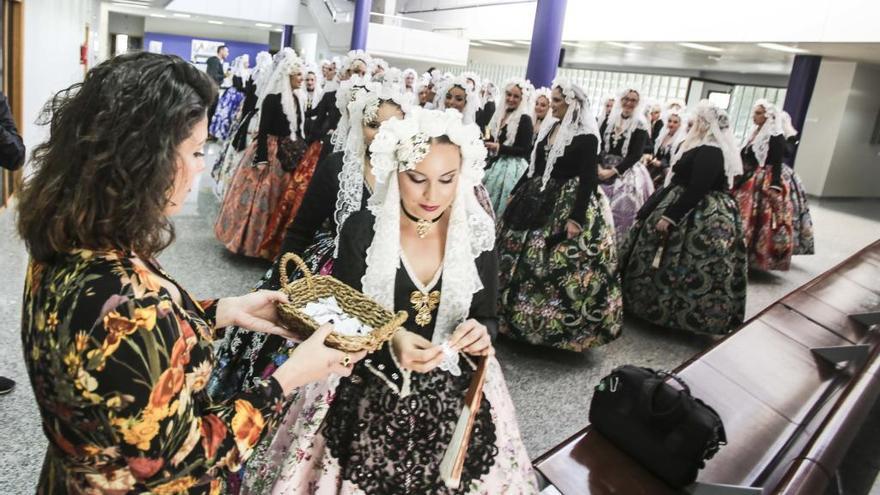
(551, 389)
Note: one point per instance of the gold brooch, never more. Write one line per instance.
(424, 304)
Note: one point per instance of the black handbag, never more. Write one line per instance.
(668, 431)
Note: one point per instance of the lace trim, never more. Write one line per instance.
(415, 280)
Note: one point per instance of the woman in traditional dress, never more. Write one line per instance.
(684, 264)
(245, 129)
(763, 192)
(458, 95)
(255, 194)
(487, 106)
(667, 143)
(558, 262)
(605, 110)
(230, 102)
(541, 109)
(655, 123)
(410, 86)
(802, 221)
(340, 187)
(427, 249)
(624, 177)
(510, 144)
(291, 199)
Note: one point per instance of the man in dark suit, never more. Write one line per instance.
(12, 158)
(217, 74)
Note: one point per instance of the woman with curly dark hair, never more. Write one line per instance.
(118, 352)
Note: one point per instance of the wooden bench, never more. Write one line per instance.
(792, 385)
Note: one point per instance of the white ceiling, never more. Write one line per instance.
(734, 57)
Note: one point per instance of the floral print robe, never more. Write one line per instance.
(119, 373)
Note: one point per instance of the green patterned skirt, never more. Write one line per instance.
(698, 282)
(500, 179)
(556, 291)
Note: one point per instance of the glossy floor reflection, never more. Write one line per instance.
(551, 389)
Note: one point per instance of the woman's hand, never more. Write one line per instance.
(606, 173)
(472, 337)
(255, 311)
(415, 352)
(491, 146)
(312, 361)
(573, 229)
(663, 226)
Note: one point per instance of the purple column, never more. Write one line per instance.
(801, 82)
(360, 25)
(287, 37)
(546, 42)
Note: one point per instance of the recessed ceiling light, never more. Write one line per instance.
(570, 43)
(699, 46)
(497, 43)
(178, 14)
(215, 22)
(629, 46)
(158, 15)
(278, 30)
(474, 43)
(523, 42)
(263, 25)
(782, 48)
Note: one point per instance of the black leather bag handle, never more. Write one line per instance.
(671, 415)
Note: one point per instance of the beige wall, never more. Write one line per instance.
(836, 158)
(822, 124)
(53, 33)
(855, 166)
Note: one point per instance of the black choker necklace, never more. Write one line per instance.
(422, 226)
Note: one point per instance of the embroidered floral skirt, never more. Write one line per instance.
(699, 281)
(244, 356)
(383, 431)
(229, 160)
(291, 200)
(766, 219)
(801, 220)
(227, 107)
(501, 178)
(254, 195)
(627, 194)
(557, 291)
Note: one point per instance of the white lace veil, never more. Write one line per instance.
(539, 92)
(241, 67)
(512, 122)
(472, 98)
(400, 145)
(578, 120)
(363, 109)
(771, 127)
(262, 73)
(600, 107)
(711, 128)
(344, 95)
(289, 63)
(788, 129)
(680, 133)
(629, 125)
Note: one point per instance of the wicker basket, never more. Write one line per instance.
(310, 288)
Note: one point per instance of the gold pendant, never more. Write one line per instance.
(424, 304)
(422, 228)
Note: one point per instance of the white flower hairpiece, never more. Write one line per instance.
(523, 84)
(402, 143)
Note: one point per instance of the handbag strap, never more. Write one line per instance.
(674, 412)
